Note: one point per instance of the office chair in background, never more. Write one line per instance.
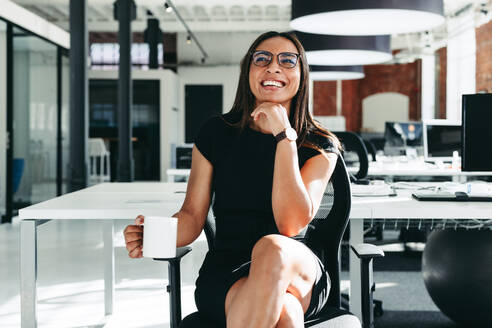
(323, 235)
(371, 149)
(351, 142)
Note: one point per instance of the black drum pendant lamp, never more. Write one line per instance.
(335, 50)
(335, 73)
(366, 17)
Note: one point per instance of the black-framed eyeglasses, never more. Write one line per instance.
(285, 59)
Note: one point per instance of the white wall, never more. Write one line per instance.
(227, 76)
(221, 47)
(428, 89)
(169, 102)
(382, 107)
(3, 119)
(461, 63)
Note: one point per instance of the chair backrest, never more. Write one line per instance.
(352, 142)
(96, 147)
(371, 149)
(324, 234)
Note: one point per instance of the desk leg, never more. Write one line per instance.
(356, 237)
(108, 266)
(28, 272)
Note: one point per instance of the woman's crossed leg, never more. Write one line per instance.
(278, 290)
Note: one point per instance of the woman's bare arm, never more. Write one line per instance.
(193, 212)
(297, 193)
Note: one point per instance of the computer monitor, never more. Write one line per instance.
(183, 156)
(441, 139)
(402, 135)
(477, 132)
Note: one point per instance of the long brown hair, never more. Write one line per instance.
(300, 117)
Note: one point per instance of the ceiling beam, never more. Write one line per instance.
(195, 26)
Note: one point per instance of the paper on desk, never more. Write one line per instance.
(479, 189)
(372, 190)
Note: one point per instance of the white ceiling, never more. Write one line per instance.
(201, 15)
(226, 18)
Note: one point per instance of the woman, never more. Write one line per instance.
(267, 163)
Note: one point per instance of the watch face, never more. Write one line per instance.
(291, 134)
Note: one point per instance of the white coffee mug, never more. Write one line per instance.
(159, 236)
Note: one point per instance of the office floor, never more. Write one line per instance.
(70, 280)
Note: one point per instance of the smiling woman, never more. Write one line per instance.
(275, 80)
(267, 164)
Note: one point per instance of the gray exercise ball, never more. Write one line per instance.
(457, 271)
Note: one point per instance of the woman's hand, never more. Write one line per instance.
(134, 237)
(271, 117)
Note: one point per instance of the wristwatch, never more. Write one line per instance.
(288, 133)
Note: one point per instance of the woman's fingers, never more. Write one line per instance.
(130, 246)
(132, 236)
(139, 220)
(136, 252)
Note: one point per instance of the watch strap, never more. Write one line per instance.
(281, 136)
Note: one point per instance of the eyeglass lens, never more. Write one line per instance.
(285, 59)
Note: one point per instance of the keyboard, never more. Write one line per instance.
(457, 196)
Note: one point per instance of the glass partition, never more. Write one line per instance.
(3, 115)
(34, 119)
(65, 122)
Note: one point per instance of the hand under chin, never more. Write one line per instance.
(262, 125)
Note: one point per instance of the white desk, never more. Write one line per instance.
(400, 169)
(418, 168)
(113, 201)
(107, 202)
(402, 206)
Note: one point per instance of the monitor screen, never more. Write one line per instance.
(183, 157)
(441, 139)
(477, 132)
(403, 134)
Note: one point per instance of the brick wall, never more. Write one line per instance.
(441, 81)
(484, 57)
(325, 98)
(401, 78)
(352, 105)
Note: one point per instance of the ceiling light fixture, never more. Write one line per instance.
(363, 17)
(335, 50)
(190, 33)
(335, 73)
(167, 7)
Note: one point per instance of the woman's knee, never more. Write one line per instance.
(271, 250)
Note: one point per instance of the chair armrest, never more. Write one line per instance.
(174, 287)
(367, 251)
(180, 252)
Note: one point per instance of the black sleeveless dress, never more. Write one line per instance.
(243, 165)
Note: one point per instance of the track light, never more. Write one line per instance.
(190, 35)
(167, 7)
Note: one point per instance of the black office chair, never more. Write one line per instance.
(371, 149)
(323, 235)
(353, 143)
